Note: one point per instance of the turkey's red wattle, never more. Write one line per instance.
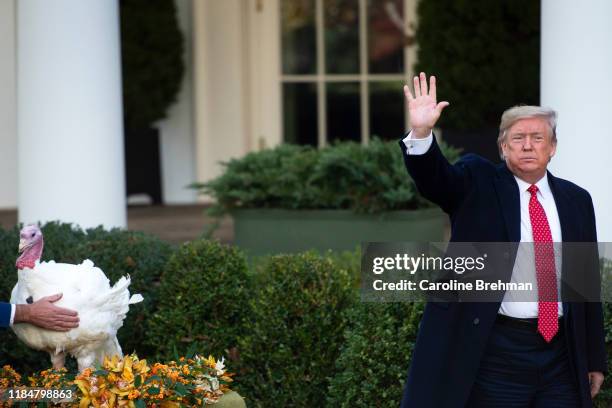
(30, 255)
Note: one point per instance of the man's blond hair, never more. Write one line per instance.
(516, 113)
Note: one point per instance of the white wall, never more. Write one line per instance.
(8, 106)
(177, 137)
(221, 90)
(263, 69)
(576, 81)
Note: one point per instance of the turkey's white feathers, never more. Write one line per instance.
(137, 298)
(85, 289)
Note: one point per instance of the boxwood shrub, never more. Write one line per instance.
(203, 301)
(295, 331)
(604, 398)
(291, 323)
(372, 367)
(346, 175)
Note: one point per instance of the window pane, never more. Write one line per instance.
(300, 113)
(386, 110)
(386, 36)
(343, 111)
(341, 36)
(298, 36)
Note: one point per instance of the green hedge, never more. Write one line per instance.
(374, 361)
(604, 399)
(346, 175)
(203, 302)
(295, 332)
(291, 323)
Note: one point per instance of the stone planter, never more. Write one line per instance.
(272, 231)
(230, 400)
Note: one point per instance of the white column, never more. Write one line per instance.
(176, 131)
(222, 125)
(576, 81)
(262, 24)
(8, 102)
(70, 148)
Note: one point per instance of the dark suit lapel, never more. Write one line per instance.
(568, 226)
(509, 201)
(569, 232)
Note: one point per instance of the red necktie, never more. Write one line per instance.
(546, 274)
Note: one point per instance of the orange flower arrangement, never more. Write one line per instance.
(131, 382)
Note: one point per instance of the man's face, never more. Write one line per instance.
(528, 148)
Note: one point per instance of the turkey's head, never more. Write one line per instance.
(30, 246)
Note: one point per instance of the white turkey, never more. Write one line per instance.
(85, 289)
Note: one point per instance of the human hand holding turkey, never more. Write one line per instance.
(423, 108)
(43, 313)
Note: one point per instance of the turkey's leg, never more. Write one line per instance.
(58, 360)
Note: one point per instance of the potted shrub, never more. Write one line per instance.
(294, 198)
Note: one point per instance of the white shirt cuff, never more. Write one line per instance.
(417, 146)
(13, 308)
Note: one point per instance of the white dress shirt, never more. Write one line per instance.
(524, 265)
(13, 307)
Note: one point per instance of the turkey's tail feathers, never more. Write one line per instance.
(136, 298)
(117, 301)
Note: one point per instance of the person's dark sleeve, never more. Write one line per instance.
(5, 314)
(435, 178)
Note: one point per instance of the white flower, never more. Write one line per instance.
(220, 366)
(205, 386)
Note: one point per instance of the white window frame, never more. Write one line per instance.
(266, 78)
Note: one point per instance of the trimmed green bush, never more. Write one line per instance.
(372, 367)
(295, 332)
(604, 398)
(203, 301)
(62, 241)
(349, 261)
(291, 324)
(346, 175)
(485, 55)
(365, 179)
(268, 178)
